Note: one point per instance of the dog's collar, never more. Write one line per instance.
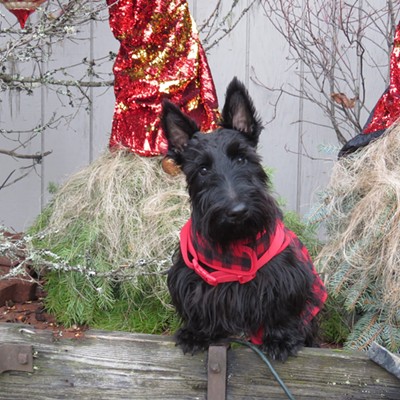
(243, 260)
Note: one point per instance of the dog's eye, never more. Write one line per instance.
(203, 170)
(241, 159)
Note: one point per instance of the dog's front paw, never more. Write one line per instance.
(278, 352)
(282, 349)
(190, 342)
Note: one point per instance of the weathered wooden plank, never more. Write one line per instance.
(116, 365)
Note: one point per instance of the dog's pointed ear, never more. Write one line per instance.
(178, 127)
(239, 112)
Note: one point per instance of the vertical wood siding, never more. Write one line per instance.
(254, 52)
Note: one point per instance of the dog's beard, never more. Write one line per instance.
(215, 226)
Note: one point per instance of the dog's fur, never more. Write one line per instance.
(229, 192)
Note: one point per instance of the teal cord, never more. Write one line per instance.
(265, 359)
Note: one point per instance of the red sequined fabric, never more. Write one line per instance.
(160, 57)
(387, 110)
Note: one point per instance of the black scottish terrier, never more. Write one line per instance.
(239, 271)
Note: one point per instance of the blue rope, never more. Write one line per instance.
(265, 359)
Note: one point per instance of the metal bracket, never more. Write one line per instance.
(16, 357)
(216, 389)
(385, 359)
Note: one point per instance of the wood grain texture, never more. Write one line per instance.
(117, 365)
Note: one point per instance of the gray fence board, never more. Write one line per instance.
(116, 365)
(253, 51)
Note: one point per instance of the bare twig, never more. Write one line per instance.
(15, 81)
(220, 28)
(37, 157)
(335, 42)
(30, 50)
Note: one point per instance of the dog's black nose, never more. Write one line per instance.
(237, 210)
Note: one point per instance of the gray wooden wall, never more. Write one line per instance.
(254, 52)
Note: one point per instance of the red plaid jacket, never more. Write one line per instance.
(245, 259)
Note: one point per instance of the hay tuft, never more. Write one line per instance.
(115, 221)
(133, 207)
(361, 259)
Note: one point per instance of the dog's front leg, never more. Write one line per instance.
(283, 341)
(191, 341)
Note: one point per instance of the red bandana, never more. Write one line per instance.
(240, 264)
(245, 259)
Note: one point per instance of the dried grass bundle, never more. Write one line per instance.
(361, 259)
(109, 234)
(133, 207)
